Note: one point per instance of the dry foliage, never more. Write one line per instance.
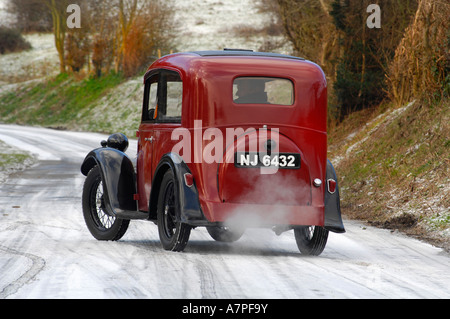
(76, 50)
(143, 29)
(121, 34)
(355, 58)
(422, 60)
(309, 26)
(101, 54)
(136, 47)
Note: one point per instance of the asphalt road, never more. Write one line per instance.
(46, 250)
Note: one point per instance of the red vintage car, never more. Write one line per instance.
(228, 140)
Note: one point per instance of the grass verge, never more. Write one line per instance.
(394, 168)
(55, 102)
(12, 160)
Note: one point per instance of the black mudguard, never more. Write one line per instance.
(119, 181)
(333, 218)
(191, 212)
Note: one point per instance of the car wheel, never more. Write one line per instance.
(311, 240)
(102, 223)
(174, 234)
(225, 234)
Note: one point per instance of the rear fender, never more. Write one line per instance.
(191, 212)
(119, 180)
(333, 218)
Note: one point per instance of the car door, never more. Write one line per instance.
(168, 114)
(161, 115)
(146, 139)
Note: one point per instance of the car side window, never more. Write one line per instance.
(150, 98)
(163, 97)
(171, 97)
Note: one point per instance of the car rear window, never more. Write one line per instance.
(263, 90)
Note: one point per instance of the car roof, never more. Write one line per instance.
(184, 60)
(241, 52)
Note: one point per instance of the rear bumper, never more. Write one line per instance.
(257, 215)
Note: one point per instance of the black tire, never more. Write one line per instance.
(102, 224)
(311, 240)
(225, 234)
(173, 234)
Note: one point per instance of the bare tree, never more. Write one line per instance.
(58, 11)
(144, 27)
(309, 27)
(123, 33)
(101, 21)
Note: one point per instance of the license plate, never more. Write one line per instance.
(280, 160)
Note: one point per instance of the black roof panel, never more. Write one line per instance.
(238, 52)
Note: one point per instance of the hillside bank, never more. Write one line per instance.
(393, 165)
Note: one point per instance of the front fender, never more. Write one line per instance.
(119, 179)
(191, 212)
(333, 218)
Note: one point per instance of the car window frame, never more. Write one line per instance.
(145, 108)
(161, 97)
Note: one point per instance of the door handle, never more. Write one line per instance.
(151, 139)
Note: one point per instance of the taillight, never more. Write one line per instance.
(331, 183)
(188, 179)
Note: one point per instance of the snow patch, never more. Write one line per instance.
(38, 62)
(382, 119)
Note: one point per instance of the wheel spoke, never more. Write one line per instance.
(169, 211)
(101, 217)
